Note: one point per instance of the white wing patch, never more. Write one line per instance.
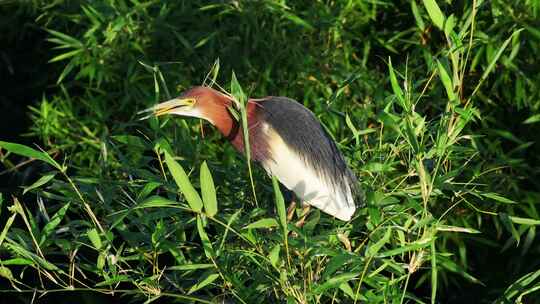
(293, 172)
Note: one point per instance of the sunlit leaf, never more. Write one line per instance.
(6, 227)
(208, 279)
(417, 16)
(297, 20)
(29, 152)
(40, 182)
(334, 282)
(94, 237)
(53, 223)
(498, 198)
(6, 273)
(396, 88)
(191, 267)
(280, 205)
(207, 246)
(533, 119)
(208, 191)
(447, 81)
(524, 221)
(263, 223)
(155, 201)
(182, 181)
(115, 279)
(435, 13)
(494, 60)
(434, 273)
(406, 248)
(456, 229)
(273, 256)
(375, 248)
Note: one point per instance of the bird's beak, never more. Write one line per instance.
(178, 106)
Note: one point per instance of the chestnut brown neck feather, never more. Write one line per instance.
(223, 120)
(215, 110)
(214, 107)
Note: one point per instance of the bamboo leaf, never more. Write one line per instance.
(114, 280)
(66, 55)
(434, 275)
(494, 60)
(524, 221)
(208, 191)
(410, 247)
(202, 283)
(7, 225)
(17, 261)
(457, 229)
(6, 273)
(334, 282)
(180, 177)
(417, 16)
(395, 86)
(533, 119)
(29, 152)
(236, 90)
(435, 13)
(69, 67)
(207, 245)
(519, 286)
(40, 182)
(215, 71)
(282, 214)
(498, 198)
(507, 222)
(51, 225)
(228, 228)
(155, 201)
(191, 267)
(273, 256)
(94, 237)
(262, 223)
(374, 249)
(346, 288)
(65, 39)
(449, 25)
(450, 265)
(447, 81)
(241, 98)
(297, 20)
(280, 205)
(37, 260)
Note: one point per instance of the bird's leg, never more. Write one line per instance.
(305, 211)
(290, 210)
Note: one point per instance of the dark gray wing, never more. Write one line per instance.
(301, 130)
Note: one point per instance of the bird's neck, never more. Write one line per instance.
(235, 133)
(227, 125)
(232, 130)
(218, 114)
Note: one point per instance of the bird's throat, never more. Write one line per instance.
(257, 142)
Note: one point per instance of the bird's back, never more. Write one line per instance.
(304, 157)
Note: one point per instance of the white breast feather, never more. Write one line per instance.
(292, 171)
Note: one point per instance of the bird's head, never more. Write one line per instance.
(200, 102)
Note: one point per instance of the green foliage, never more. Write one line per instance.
(434, 104)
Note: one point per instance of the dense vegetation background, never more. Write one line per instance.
(434, 103)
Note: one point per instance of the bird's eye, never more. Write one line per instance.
(190, 101)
